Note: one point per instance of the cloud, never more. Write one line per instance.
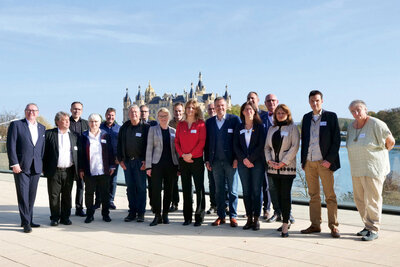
(63, 23)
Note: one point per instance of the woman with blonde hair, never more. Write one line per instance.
(161, 164)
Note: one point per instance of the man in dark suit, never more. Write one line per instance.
(221, 160)
(60, 166)
(320, 143)
(25, 149)
(78, 126)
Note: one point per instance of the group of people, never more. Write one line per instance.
(261, 145)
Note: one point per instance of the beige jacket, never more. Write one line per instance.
(287, 154)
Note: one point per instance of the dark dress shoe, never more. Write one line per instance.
(89, 219)
(363, 232)
(54, 223)
(27, 228)
(96, 206)
(285, 234)
(187, 222)
(66, 222)
(35, 225)
(156, 221)
(112, 206)
(80, 213)
(197, 224)
(107, 218)
(256, 225)
(248, 224)
(165, 219)
(130, 217)
(140, 218)
(311, 230)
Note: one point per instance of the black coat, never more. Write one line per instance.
(51, 152)
(255, 151)
(329, 138)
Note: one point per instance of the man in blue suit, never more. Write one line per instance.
(25, 149)
(220, 158)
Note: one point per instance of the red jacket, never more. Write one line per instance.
(190, 140)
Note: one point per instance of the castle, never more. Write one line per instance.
(155, 102)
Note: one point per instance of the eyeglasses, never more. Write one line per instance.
(271, 100)
(144, 111)
(31, 110)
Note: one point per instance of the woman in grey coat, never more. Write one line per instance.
(281, 148)
(161, 164)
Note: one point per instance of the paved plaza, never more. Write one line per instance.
(137, 244)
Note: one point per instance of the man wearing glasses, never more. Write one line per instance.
(25, 149)
(144, 115)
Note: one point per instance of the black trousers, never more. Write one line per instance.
(150, 189)
(162, 174)
(283, 185)
(79, 194)
(103, 183)
(195, 169)
(59, 188)
(175, 191)
(26, 185)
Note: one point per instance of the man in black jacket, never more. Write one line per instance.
(78, 126)
(320, 143)
(60, 166)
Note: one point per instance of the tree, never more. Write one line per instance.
(235, 110)
(5, 118)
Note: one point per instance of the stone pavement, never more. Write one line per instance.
(137, 244)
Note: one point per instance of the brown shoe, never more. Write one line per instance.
(233, 222)
(218, 222)
(311, 229)
(335, 233)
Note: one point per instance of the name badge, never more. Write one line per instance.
(362, 135)
(104, 141)
(172, 135)
(322, 123)
(75, 148)
(193, 131)
(230, 130)
(139, 134)
(284, 133)
(242, 131)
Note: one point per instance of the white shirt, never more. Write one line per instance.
(64, 150)
(33, 129)
(247, 136)
(220, 123)
(96, 156)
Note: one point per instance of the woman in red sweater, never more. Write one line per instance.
(189, 141)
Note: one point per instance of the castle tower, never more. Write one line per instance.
(126, 103)
(227, 98)
(200, 88)
(149, 93)
(191, 93)
(139, 98)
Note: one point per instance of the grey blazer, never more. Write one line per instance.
(287, 154)
(155, 146)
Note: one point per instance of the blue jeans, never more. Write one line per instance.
(224, 175)
(113, 185)
(135, 180)
(252, 183)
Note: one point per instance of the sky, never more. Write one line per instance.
(55, 52)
